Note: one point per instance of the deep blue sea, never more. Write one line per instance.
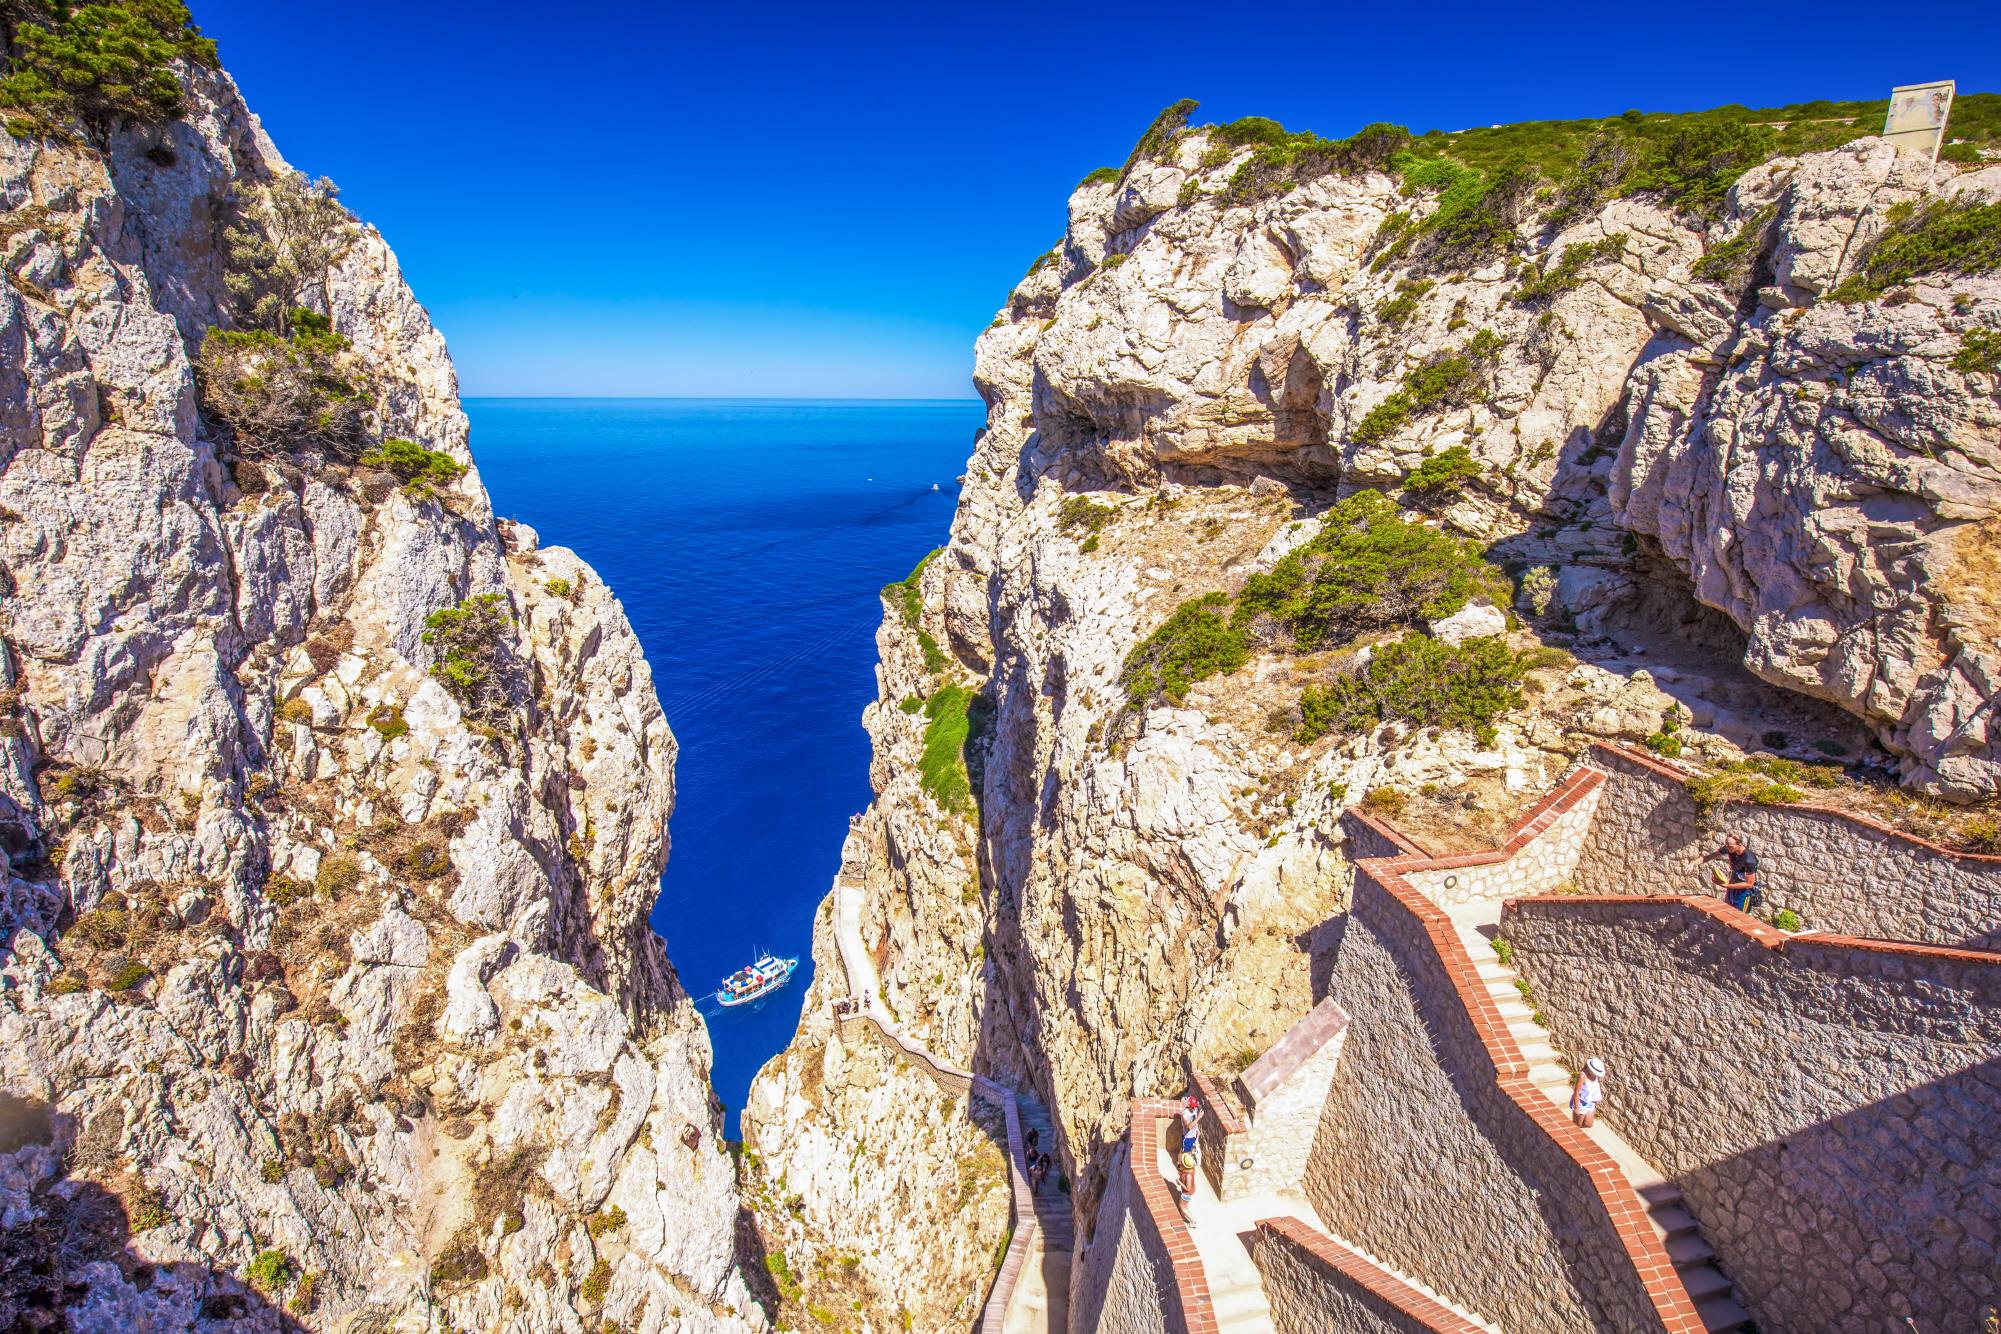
(747, 539)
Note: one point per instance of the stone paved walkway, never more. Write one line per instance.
(1031, 1294)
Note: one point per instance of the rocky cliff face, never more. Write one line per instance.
(1741, 504)
(324, 998)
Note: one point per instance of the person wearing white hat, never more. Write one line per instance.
(1590, 1091)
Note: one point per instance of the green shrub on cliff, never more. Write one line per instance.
(280, 393)
(1419, 680)
(942, 769)
(1945, 236)
(905, 593)
(1443, 475)
(1448, 380)
(1730, 264)
(1197, 641)
(1365, 570)
(99, 63)
(1282, 160)
(1567, 272)
(1161, 134)
(470, 643)
(1979, 352)
(414, 464)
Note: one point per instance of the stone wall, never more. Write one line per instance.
(1540, 857)
(1442, 1159)
(1837, 871)
(1315, 1285)
(1826, 1105)
(1141, 1274)
(1258, 1133)
(1118, 1286)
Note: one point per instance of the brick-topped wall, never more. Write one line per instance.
(1828, 1106)
(1141, 1268)
(1539, 857)
(1316, 1285)
(1839, 872)
(1435, 1153)
(1258, 1132)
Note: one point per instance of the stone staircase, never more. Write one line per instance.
(1222, 1232)
(1052, 1204)
(1031, 1294)
(1708, 1286)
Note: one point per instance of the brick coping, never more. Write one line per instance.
(1358, 1269)
(1624, 1208)
(1680, 777)
(1572, 788)
(1191, 1281)
(1773, 939)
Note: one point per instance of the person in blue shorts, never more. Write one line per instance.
(1739, 886)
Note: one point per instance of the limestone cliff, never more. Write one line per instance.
(1753, 513)
(326, 991)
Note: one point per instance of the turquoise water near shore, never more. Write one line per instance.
(747, 540)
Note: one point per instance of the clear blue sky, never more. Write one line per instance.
(790, 200)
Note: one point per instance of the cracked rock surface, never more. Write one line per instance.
(322, 1001)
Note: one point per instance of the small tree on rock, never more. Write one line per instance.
(472, 662)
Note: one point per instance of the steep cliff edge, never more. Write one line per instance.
(332, 808)
(1724, 444)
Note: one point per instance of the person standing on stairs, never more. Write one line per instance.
(1185, 1183)
(1740, 885)
(1191, 1114)
(1588, 1094)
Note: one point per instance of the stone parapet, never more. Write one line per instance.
(1257, 1133)
(1825, 1103)
(1618, 1263)
(1315, 1285)
(1538, 857)
(1838, 870)
(1156, 1281)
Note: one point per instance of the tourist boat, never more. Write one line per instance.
(762, 978)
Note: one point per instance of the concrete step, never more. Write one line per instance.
(1704, 1282)
(1660, 1193)
(1671, 1220)
(1720, 1314)
(1536, 1050)
(1515, 1010)
(1689, 1250)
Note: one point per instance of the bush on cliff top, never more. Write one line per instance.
(99, 63)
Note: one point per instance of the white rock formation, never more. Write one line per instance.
(1696, 481)
(298, 958)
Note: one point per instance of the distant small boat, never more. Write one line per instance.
(934, 486)
(762, 978)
